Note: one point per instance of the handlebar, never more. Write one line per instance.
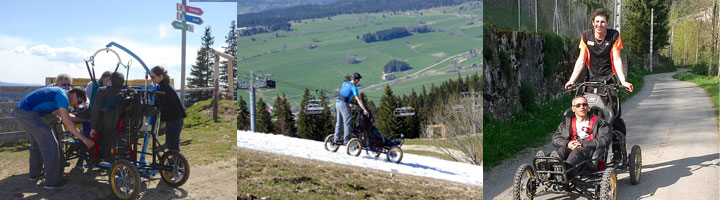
(595, 85)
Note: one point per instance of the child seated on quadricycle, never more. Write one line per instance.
(103, 126)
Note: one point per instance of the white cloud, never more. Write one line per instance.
(10, 42)
(64, 54)
(163, 30)
(24, 63)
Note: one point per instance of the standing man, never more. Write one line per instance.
(43, 144)
(342, 107)
(599, 48)
(600, 52)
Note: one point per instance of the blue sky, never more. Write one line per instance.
(41, 39)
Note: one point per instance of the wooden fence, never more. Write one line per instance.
(10, 130)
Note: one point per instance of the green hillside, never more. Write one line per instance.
(295, 67)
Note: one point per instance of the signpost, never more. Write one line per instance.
(181, 24)
(189, 18)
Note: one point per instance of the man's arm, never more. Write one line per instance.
(560, 139)
(577, 69)
(617, 62)
(360, 102)
(68, 123)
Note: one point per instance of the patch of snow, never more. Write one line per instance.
(411, 164)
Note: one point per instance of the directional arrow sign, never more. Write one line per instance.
(189, 9)
(189, 18)
(182, 26)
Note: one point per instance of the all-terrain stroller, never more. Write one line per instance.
(137, 116)
(365, 136)
(595, 177)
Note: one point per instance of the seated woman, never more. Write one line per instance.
(577, 138)
(103, 114)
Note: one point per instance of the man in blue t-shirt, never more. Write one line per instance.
(43, 144)
(342, 106)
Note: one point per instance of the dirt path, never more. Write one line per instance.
(213, 181)
(674, 123)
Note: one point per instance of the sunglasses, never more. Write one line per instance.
(65, 85)
(581, 105)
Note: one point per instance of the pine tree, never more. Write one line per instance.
(264, 122)
(304, 122)
(201, 73)
(412, 122)
(243, 116)
(388, 125)
(284, 122)
(325, 121)
(230, 49)
(637, 17)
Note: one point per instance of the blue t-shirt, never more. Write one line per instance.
(45, 100)
(348, 90)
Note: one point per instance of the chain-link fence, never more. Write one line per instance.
(562, 17)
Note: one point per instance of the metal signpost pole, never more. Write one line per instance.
(182, 61)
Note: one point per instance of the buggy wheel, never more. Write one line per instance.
(524, 183)
(635, 164)
(354, 147)
(395, 154)
(330, 143)
(179, 168)
(608, 185)
(124, 179)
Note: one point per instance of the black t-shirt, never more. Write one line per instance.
(599, 58)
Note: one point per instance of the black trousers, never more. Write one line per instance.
(575, 157)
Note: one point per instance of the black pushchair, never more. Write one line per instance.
(365, 136)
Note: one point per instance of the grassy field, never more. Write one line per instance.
(264, 175)
(296, 67)
(405, 87)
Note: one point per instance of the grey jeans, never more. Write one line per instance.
(43, 146)
(342, 121)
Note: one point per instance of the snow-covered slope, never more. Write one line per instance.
(410, 164)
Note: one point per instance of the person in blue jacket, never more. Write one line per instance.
(342, 106)
(43, 144)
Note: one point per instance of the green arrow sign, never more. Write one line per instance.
(182, 26)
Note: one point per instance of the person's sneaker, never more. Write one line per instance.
(36, 178)
(339, 142)
(62, 184)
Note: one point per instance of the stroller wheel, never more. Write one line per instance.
(124, 179)
(176, 168)
(635, 165)
(330, 143)
(354, 147)
(395, 154)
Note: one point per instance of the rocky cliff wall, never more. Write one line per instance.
(523, 69)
